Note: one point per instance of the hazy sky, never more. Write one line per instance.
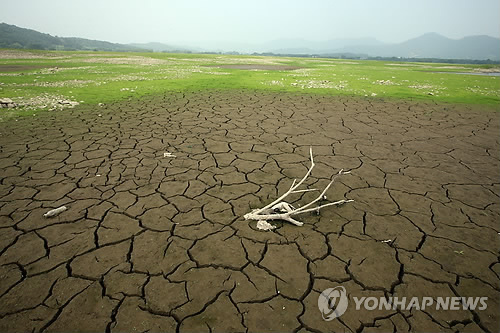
(190, 21)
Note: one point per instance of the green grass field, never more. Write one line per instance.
(36, 80)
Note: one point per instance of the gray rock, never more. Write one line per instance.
(5, 101)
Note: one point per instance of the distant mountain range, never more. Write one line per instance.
(160, 47)
(430, 45)
(433, 45)
(333, 45)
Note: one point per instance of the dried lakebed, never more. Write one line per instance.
(154, 238)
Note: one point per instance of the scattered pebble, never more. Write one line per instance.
(42, 101)
(264, 225)
(7, 103)
(385, 82)
(314, 84)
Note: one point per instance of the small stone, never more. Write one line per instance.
(264, 225)
(55, 212)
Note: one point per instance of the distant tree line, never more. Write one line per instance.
(352, 56)
(438, 60)
(399, 59)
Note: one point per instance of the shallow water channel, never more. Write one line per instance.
(472, 73)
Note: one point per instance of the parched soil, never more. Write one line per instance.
(156, 242)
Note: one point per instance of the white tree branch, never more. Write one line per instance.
(281, 210)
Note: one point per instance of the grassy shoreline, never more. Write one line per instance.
(39, 80)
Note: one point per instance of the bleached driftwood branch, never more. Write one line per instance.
(281, 210)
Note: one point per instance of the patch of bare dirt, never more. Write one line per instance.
(17, 68)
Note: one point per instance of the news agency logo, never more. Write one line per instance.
(333, 302)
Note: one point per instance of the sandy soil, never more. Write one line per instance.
(156, 242)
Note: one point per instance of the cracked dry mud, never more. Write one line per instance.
(157, 243)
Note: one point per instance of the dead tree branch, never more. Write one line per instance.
(281, 210)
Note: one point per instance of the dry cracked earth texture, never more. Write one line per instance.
(156, 242)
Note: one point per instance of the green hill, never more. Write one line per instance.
(14, 37)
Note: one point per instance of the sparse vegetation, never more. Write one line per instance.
(98, 77)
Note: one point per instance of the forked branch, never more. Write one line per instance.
(281, 210)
